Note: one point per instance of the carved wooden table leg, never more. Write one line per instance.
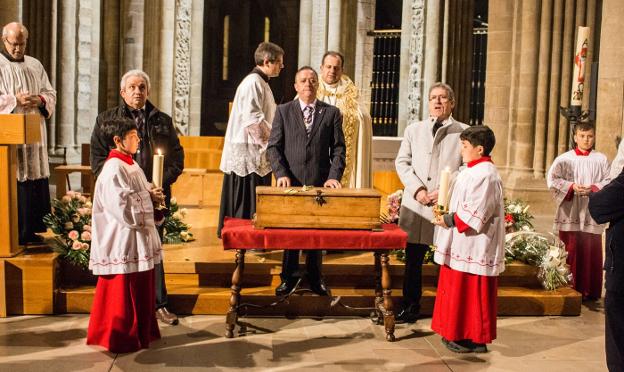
(237, 279)
(377, 316)
(387, 296)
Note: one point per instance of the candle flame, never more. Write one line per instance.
(159, 152)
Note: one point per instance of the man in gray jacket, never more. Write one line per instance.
(427, 148)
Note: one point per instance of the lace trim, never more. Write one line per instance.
(244, 159)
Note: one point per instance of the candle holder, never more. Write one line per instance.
(440, 210)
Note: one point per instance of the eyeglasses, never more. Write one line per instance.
(442, 98)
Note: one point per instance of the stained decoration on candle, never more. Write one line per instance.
(157, 169)
(580, 61)
(443, 190)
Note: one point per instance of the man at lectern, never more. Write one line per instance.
(26, 89)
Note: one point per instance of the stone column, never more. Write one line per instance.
(182, 66)
(334, 29)
(411, 72)
(66, 87)
(433, 46)
(305, 29)
(196, 63)
(318, 32)
(167, 44)
(610, 104)
(132, 23)
(363, 61)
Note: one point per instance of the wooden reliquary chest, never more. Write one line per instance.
(317, 208)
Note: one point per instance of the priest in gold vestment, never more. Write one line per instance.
(337, 89)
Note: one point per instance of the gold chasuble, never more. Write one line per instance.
(357, 128)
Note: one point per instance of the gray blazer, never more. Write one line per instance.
(419, 162)
(307, 160)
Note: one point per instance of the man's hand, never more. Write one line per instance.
(332, 183)
(157, 195)
(581, 190)
(433, 196)
(283, 182)
(27, 100)
(423, 197)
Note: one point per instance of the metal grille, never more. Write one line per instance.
(477, 87)
(385, 83)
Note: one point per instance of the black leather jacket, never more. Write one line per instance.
(161, 135)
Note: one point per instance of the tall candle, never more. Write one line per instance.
(580, 60)
(157, 168)
(445, 178)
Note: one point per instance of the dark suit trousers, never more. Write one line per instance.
(412, 280)
(614, 330)
(290, 266)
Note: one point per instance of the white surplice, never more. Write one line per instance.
(124, 235)
(477, 200)
(28, 76)
(568, 169)
(253, 104)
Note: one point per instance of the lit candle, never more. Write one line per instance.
(445, 178)
(157, 169)
(580, 60)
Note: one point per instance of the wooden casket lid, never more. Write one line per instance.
(312, 191)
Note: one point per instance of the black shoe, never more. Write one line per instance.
(285, 287)
(407, 314)
(319, 287)
(456, 346)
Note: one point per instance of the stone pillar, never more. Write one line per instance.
(411, 72)
(363, 61)
(318, 32)
(151, 47)
(132, 34)
(78, 76)
(334, 29)
(196, 64)
(167, 44)
(610, 104)
(530, 57)
(182, 66)
(433, 46)
(305, 29)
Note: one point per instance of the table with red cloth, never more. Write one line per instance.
(240, 235)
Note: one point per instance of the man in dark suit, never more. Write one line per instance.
(607, 205)
(306, 147)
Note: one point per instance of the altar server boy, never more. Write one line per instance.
(571, 178)
(124, 247)
(470, 249)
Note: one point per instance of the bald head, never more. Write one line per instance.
(14, 37)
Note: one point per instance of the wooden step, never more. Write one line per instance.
(190, 299)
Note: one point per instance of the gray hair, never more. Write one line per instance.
(137, 73)
(269, 51)
(8, 29)
(449, 90)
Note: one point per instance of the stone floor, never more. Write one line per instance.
(57, 343)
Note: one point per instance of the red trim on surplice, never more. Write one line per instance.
(585, 260)
(465, 306)
(240, 234)
(123, 317)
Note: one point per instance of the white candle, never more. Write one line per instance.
(580, 61)
(157, 168)
(445, 178)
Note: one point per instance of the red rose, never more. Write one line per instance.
(509, 218)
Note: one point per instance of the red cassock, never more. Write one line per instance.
(465, 306)
(123, 318)
(585, 260)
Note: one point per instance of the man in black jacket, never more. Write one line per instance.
(306, 147)
(607, 205)
(157, 132)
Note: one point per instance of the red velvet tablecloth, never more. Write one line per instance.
(241, 234)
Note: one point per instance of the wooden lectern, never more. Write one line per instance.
(15, 129)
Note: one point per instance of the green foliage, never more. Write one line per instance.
(176, 230)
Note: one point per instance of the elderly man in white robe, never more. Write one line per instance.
(26, 89)
(338, 90)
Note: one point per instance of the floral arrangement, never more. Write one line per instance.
(546, 252)
(393, 206)
(176, 231)
(517, 217)
(70, 220)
